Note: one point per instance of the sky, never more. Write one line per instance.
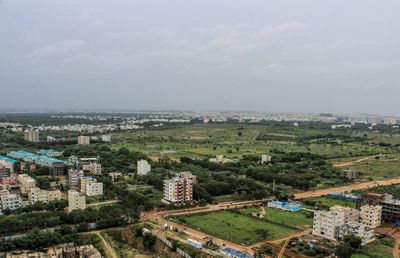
(336, 56)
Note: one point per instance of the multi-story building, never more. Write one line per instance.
(106, 138)
(355, 228)
(26, 183)
(10, 201)
(76, 200)
(83, 140)
(84, 181)
(115, 176)
(7, 181)
(390, 206)
(350, 174)
(7, 162)
(73, 161)
(39, 195)
(143, 167)
(92, 168)
(94, 189)
(179, 189)
(265, 159)
(56, 166)
(371, 216)
(31, 135)
(326, 222)
(74, 176)
(389, 120)
(4, 172)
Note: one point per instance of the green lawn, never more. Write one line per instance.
(375, 251)
(294, 219)
(236, 227)
(329, 202)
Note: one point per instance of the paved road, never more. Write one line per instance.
(101, 203)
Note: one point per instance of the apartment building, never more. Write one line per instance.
(143, 167)
(74, 176)
(326, 222)
(106, 138)
(76, 200)
(10, 202)
(4, 172)
(31, 135)
(371, 216)
(350, 174)
(38, 195)
(83, 181)
(7, 162)
(390, 206)
(26, 183)
(94, 189)
(91, 165)
(355, 228)
(179, 189)
(83, 140)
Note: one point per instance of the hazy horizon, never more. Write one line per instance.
(310, 56)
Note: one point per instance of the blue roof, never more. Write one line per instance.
(7, 159)
(236, 253)
(49, 151)
(33, 158)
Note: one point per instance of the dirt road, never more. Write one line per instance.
(108, 248)
(350, 163)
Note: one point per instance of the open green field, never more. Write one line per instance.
(385, 166)
(330, 202)
(377, 250)
(200, 141)
(236, 227)
(294, 219)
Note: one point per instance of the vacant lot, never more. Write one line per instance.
(378, 250)
(294, 219)
(236, 227)
(330, 202)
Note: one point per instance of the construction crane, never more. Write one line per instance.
(283, 248)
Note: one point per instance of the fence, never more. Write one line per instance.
(169, 244)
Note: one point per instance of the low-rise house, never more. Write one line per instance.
(265, 159)
(350, 174)
(288, 206)
(115, 176)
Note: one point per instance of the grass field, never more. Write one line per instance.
(294, 219)
(375, 251)
(329, 202)
(236, 227)
(200, 141)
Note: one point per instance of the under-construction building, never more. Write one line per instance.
(390, 206)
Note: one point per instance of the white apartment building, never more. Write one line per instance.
(39, 195)
(106, 138)
(371, 216)
(179, 189)
(76, 200)
(265, 159)
(10, 202)
(26, 183)
(31, 135)
(355, 228)
(326, 222)
(94, 189)
(83, 140)
(143, 167)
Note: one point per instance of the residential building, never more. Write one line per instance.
(7, 181)
(26, 183)
(390, 206)
(371, 216)
(94, 189)
(50, 153)
(106, 138)
(56, 166)
(350, 174)
(73, 161)
(326, 223)
(389, 120)
(355, 228)
(76, 200)
(59, 251)
(179, 189)
(10, 202)
(83, 140)
(93, 168)
(265, 159)
(84, 181)
(7, 162)
(4, 172)
(115, 176)
(143, 167)
(31, 135)
(74, 176)
(38, 195)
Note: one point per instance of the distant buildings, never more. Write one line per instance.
(265, 159)
(106, 138)
(143, 167)
(83, 140)
(115, 176)
(389, 120)
(31, 135)
(221, 160)
(50, 153)
(59, 251)
(179, 189)
(76, 200)
(350, 174)
(287, 206)
(7, 162)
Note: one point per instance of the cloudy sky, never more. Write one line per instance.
(336, 56)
